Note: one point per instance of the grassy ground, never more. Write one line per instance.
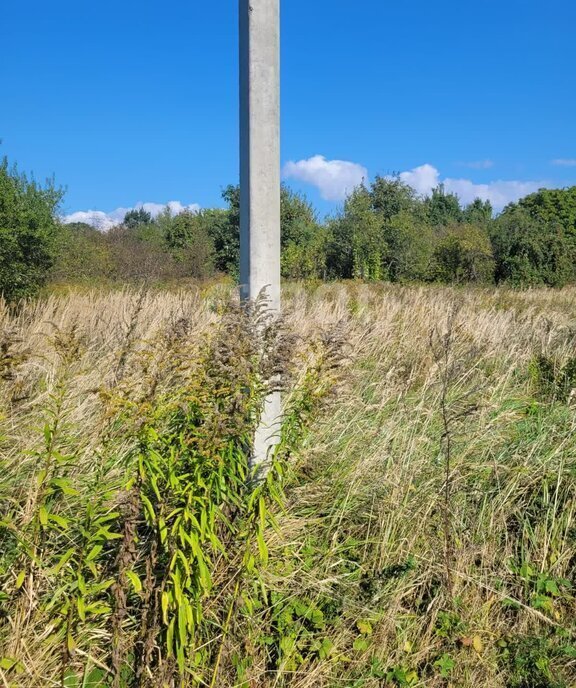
(426, 535)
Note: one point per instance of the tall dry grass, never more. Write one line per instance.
(428, 534)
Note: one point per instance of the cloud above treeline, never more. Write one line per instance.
(426, 177)
(335, 179)
(105, 221)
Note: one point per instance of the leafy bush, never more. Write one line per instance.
(28, 232)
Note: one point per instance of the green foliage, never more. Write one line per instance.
(294, 633)
(442, 208)
(358, 247)
(303, 240)
(553, 379)
(463, 254)
(553, 206)
(384, 231)
(189, 241)
(479, 212)
(410, 248)
(531, 252)
(83, 254)
(141, 547)
(445, 665)
(529, 662)
(28, 232)
(136, 217)
(391, 196)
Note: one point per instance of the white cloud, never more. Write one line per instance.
(105, 221)
(564, 162)
(335, 179)
(478, 164)
(424, 178)
(499, 193)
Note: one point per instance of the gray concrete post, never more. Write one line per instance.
(260, 178)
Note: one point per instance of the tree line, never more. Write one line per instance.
(384, 231)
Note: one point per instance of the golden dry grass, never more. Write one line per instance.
(413, 583)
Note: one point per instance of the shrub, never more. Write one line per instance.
(28, 232)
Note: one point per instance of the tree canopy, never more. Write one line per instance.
(28, 232)
(383, 231)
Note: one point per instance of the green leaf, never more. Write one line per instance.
(70, 643)
(43, 515)
(205, 577)
(81, 608)
(262, 548)
(98, 608)
(20, 579)
(184, 561)
(136, 583)
(262, 512)
(364, 626)
(8, 663)
(325, 648)
(94, 552)
(47, 434)
(58, 520)
(149, 508)
(170, 637)
(182, 627)
(64, 559)
(63, 484)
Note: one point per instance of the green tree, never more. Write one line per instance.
(531, 251)
(187, 237)
(357, 247)
(84, 254)
(443, 208)
(136, 217)
(307, 257)
(390, 196)
(301, 236)
(303, 240)
(28, 232)
(225, 241)
(479, 212)
(463, 254)
(553, 206)
(410, 247)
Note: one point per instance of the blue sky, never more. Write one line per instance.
(129, 102)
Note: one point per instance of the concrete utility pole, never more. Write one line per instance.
(260, 178)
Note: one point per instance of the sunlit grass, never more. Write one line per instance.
(376, 574)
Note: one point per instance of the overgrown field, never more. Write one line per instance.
(418, 527)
